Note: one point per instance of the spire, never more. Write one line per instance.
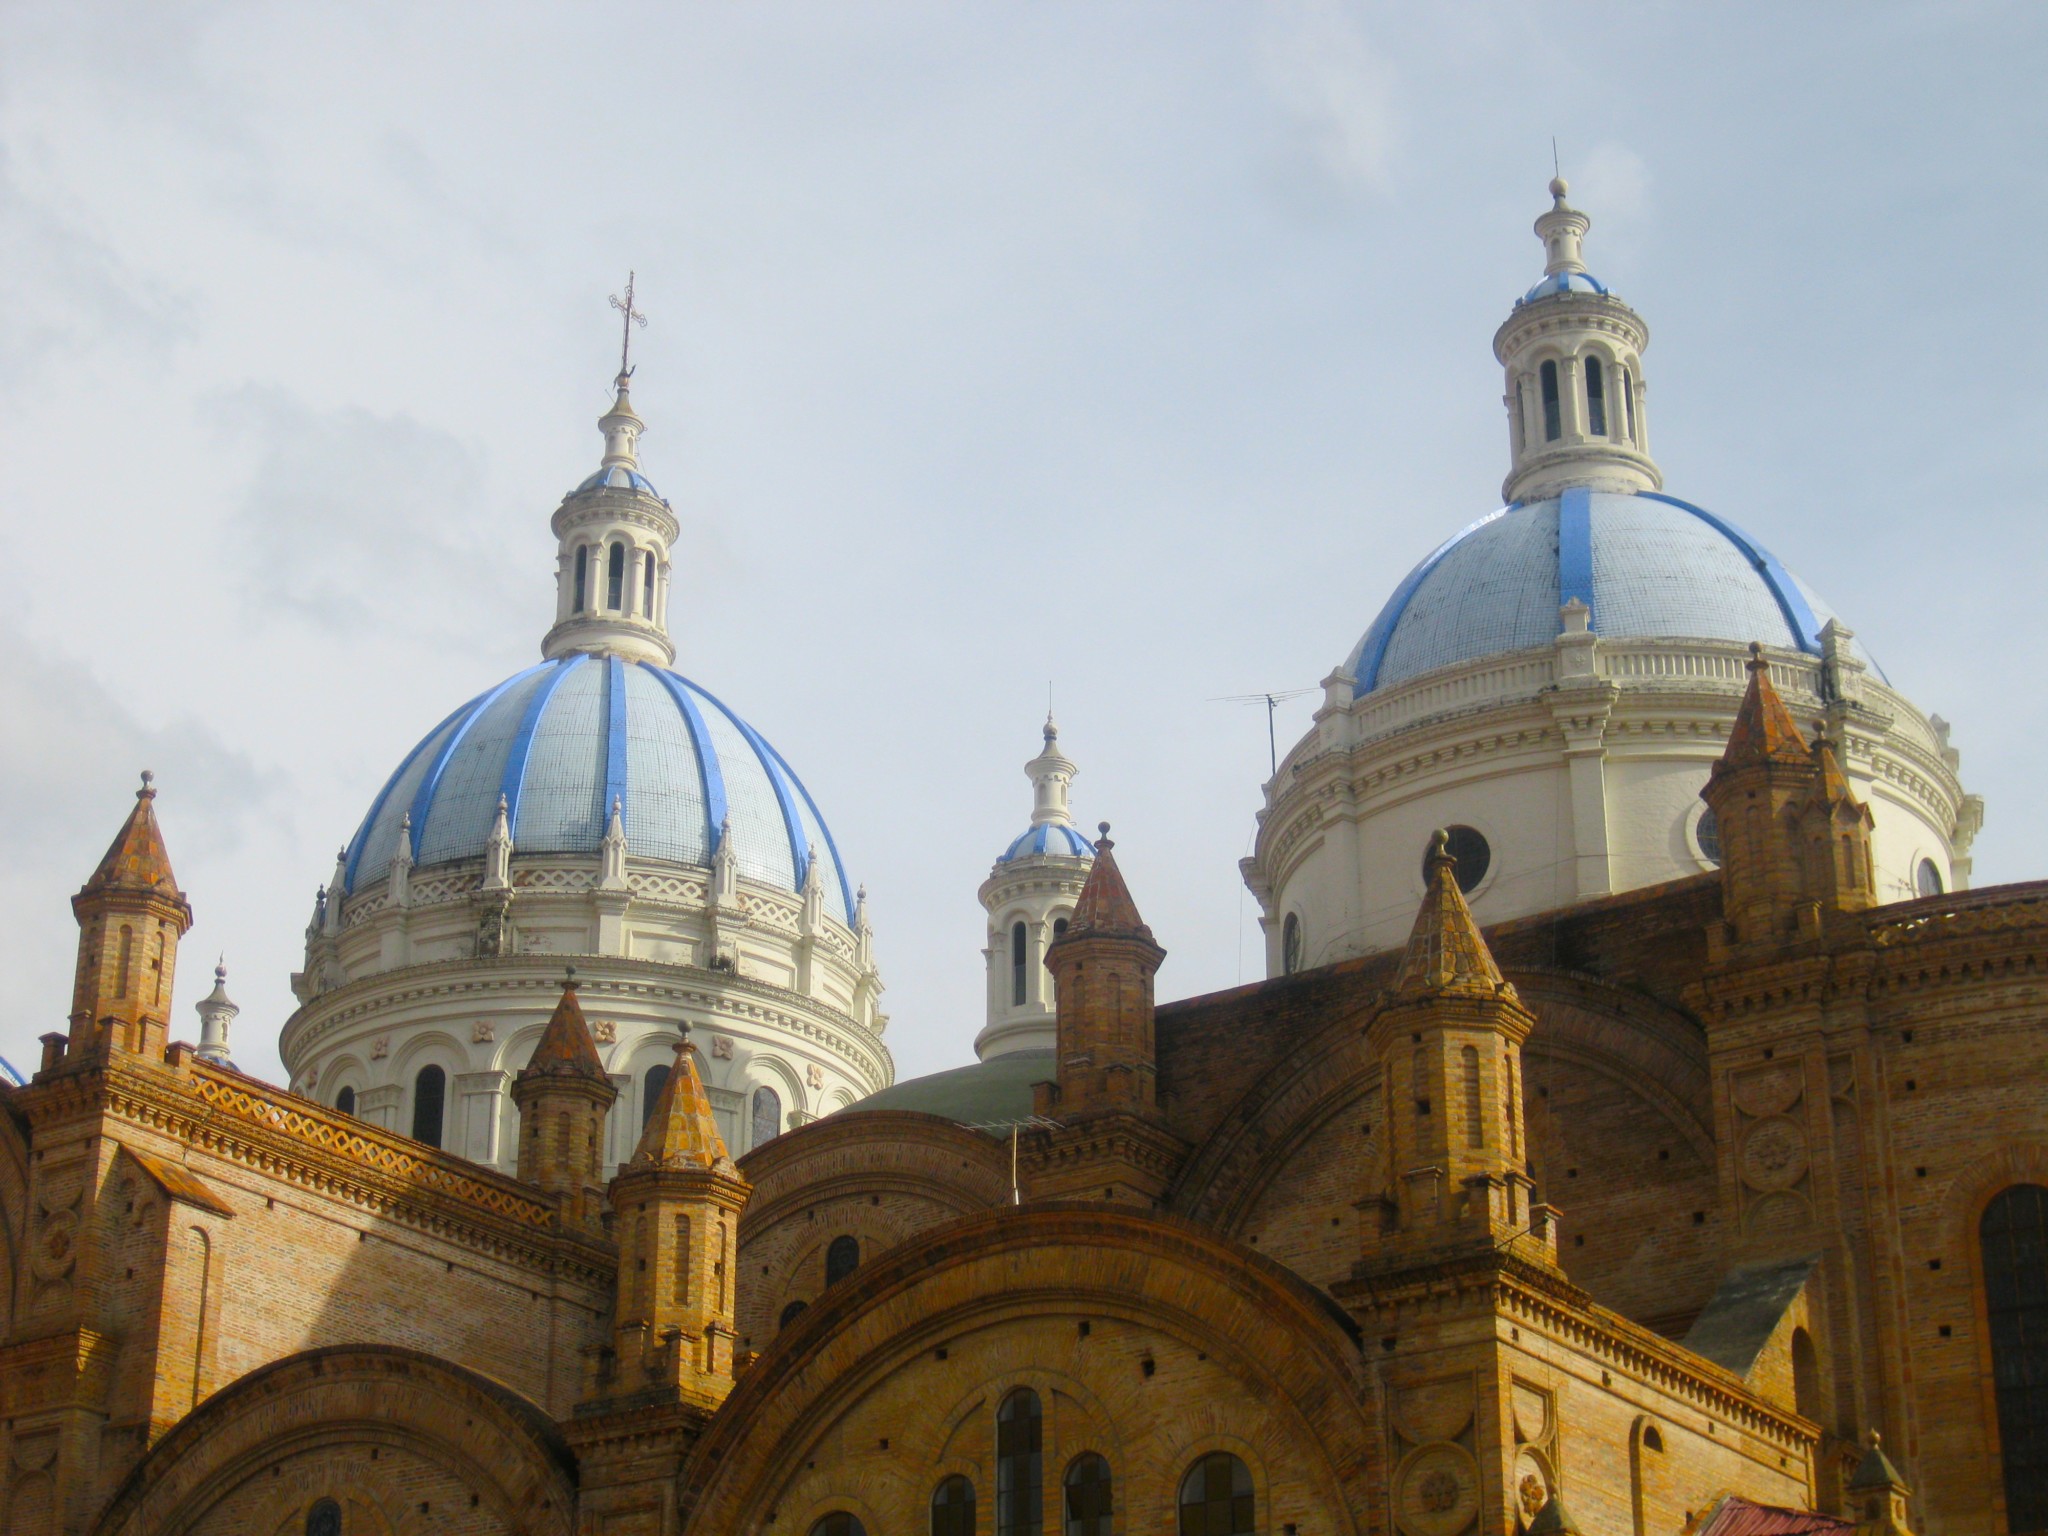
(566, 1048)
(1105, 906)
(136, 859)
(498, 851)
(681, 1131)
(1573, 355)
(1879, 1493)
(1764, 730)
(622, 427)
(216, 1012)
(613, 850)
(1446, 954)
(1875, 1470)
(1051, 773)
(337, 892)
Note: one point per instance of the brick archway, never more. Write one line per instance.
(393, 1431)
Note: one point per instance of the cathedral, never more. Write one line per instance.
(1640, 1129)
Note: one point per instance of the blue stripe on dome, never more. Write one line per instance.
(1372, 650)
(799, 859)
(831, 843)
(1791, 601)
(1575, 550)
(709, 778)
(614, 741)
(362, 837)
(423, 797)
(513, 786)
(1039, 840)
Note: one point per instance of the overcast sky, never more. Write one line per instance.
(1138, 349)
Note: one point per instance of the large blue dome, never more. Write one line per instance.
(1649, 566)
(563, 740)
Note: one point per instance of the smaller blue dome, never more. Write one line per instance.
(618, 477)
(1060, 841)
(1565, 282)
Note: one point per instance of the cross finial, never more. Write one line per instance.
(630, 318)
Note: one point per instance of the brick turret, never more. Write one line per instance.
(131, 915)
(1102, 968)
(1450, 1048)
(563, 1096)
(1795, 840)
(678, 1202)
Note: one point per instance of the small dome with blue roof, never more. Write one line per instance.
(1052, 832)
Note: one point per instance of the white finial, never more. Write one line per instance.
(216, 1013)
(498, 851)
(613, 850)
(1051, 772)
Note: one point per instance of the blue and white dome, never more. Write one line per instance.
(1649, 566)
(620, 477)
(1061, 841)
(561, 741)
(1564, 282)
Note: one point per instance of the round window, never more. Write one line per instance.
(1927, 879)
(1707, 833)
(1473, 856)
(1290, 945)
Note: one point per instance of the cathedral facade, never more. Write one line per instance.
(1640, 1130)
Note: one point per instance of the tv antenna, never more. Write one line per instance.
(1272, 701)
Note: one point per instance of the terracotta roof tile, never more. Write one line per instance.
(566, 1048)
(1105, 904)
(136, 860)
(1445, 951)
(681, 1132)
(1764, 729)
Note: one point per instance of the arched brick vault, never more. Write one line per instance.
(1581, 1023)
(490, 1441)
(879, 1176)
(1145, 1284)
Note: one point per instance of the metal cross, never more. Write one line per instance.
(632, 317)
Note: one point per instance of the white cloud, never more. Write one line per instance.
(1340, 91)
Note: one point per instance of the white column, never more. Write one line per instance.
(480, 1096)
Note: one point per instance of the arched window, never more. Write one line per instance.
(1807, 1396)
(2014, 1236)
(1517, 425)
(1553, 423)
(839, 1523)
(1087, 1501)
(1927, 878)
(1017, 943)
(429, 1099)
(582, 577)
(615, 578)
(1290, 944)
(127, 959)
(790, 1314)
(1596, 397)
(1216, 1495)
(1059, 928)
(842, 1258)
(953, 1507)
(767, 1116)
(647, 587)
(345, 1101)
(324, 1519)
(1628, 401)
(1020, 1500)
(1707, 833)
(651, 1085)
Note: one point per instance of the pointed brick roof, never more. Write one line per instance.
(681, 1133)
(566, 1048)
(1445, 951)
(1764, 729)
(1831, 786)
(1105, 905)
(1876, 1469)
(136, 860)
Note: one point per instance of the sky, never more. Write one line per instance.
(1133, 351)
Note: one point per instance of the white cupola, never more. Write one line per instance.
(1029, 895)
(1577, 414)
(216, 1013)
(614, 533)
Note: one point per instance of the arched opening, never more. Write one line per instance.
(1088, 1496)
(1290, 944)
(1020, 1502)
(429, 1101)
(790, 1314)
(1927, 879)
(1596, 397)
(842, 1258)
(1059, 928)
(1653, 1441)
(582, 595)
(127, 959)
(1553, 421)
(1628, 401)
(324, 1519)
(2013, 1236)
(1017, 977)
(839, 1523)
(1216, 1497)
(651, 1083)
(615, 578)
(1808, 1398)
(1516, 427)
(1475, 1128)
(767, 1116)
(647, 587)
(345, 1101)
(953, 1507)
(1707, 833)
